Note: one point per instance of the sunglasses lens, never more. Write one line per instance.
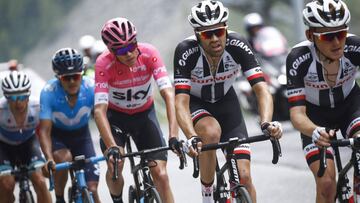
(330, 36)
(123, 50)
(67, 78)
(208, 34)
(17, 97)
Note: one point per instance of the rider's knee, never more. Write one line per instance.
(7, 185)
(245, 177)
(326, 185)
(38, 180)
(211, 134)
(92, 186)
(160, 175)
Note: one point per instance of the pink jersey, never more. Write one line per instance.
(129, 89)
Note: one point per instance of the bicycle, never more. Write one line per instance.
(78, 191)
(234, 191)
(343, 188)
(22, 175)
(143, 189)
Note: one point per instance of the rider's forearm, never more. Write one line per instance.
(183, 117)
(103, 125)
(301, 121)
(45, 143)
(265, 102)
(169, 98)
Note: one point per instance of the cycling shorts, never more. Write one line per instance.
(143, 127)
(79, 142)
(345, 116)
(228, 113)
(26, 153)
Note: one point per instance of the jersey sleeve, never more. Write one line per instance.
(244, 55)
(352, 49)
(45, 102)
(157, 65)
(101, 80)
(296, 69)
(184, 58)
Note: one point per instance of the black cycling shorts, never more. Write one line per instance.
(345, 116)
(26, 153)
(228, 113)
(143, 128)
(79, 142)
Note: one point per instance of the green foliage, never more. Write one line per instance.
(24, 23)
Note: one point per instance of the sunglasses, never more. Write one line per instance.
(69, 77)
(330, 36)
(17, 97)
(207, 34)
(124, 50)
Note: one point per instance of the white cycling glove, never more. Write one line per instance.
(316, 134)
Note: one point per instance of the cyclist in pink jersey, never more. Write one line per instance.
(124, 102)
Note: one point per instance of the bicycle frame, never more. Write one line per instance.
(22, 175)
(77, 174)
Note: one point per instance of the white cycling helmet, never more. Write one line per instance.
(208, 13)
(99, 47)
(252, 20)
(326, 13)
(86, 42)
(14, 82)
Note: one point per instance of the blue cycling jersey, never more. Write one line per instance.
(54, 105)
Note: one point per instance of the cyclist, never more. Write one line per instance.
(66, 105)
(19, 118)
(124, 101)
(253, 22)
(86, 44)
(206, 65)
(321, 86)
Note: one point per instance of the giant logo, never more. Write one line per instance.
(186, 55)
(297, 63)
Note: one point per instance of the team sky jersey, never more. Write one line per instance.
(129, 89)
(10, 132)
(54, 105)
(192, 72)
(306, 79)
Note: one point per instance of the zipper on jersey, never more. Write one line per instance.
(331, 95)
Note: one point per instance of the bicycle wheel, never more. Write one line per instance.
(152, 196)
(26, 197)
(132, 194)
(241, 195)
(71, 197)
(86, 197)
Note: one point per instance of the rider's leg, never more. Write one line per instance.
(209, 130)
(161, 181)
(115, 187)
(39, 183)
(245, 177)
(7, 186)
(92, 185)
(61, 177)
(326, 185)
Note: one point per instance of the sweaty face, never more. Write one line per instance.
(128, 53)
(212, 39)
(330, 41)
(71, 83)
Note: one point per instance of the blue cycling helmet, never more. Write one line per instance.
(67, 61)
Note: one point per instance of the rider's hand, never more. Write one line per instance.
(175, 145)
(272, 129)
(45, 169)
(193, 146)
(321, 138)
(111, 153)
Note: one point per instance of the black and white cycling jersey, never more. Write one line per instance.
(306, 79)
(192, 72)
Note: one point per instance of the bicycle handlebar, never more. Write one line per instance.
(236, 141)
(354, 142)
(21, 170)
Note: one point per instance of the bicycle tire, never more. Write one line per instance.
(26, 197)
(152, 196)
(241, 195)
(132, 194)
(70, 195)
(86, 197)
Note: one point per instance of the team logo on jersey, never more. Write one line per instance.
(198, 72)
(129, 94)
(101, 73)
(298, 62)
(186, 54)
(154, 59)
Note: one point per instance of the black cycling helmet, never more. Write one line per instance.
(67, 61)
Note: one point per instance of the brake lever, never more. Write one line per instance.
(276, 150)
(323, 164)
(51, 177)
(182, 157)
